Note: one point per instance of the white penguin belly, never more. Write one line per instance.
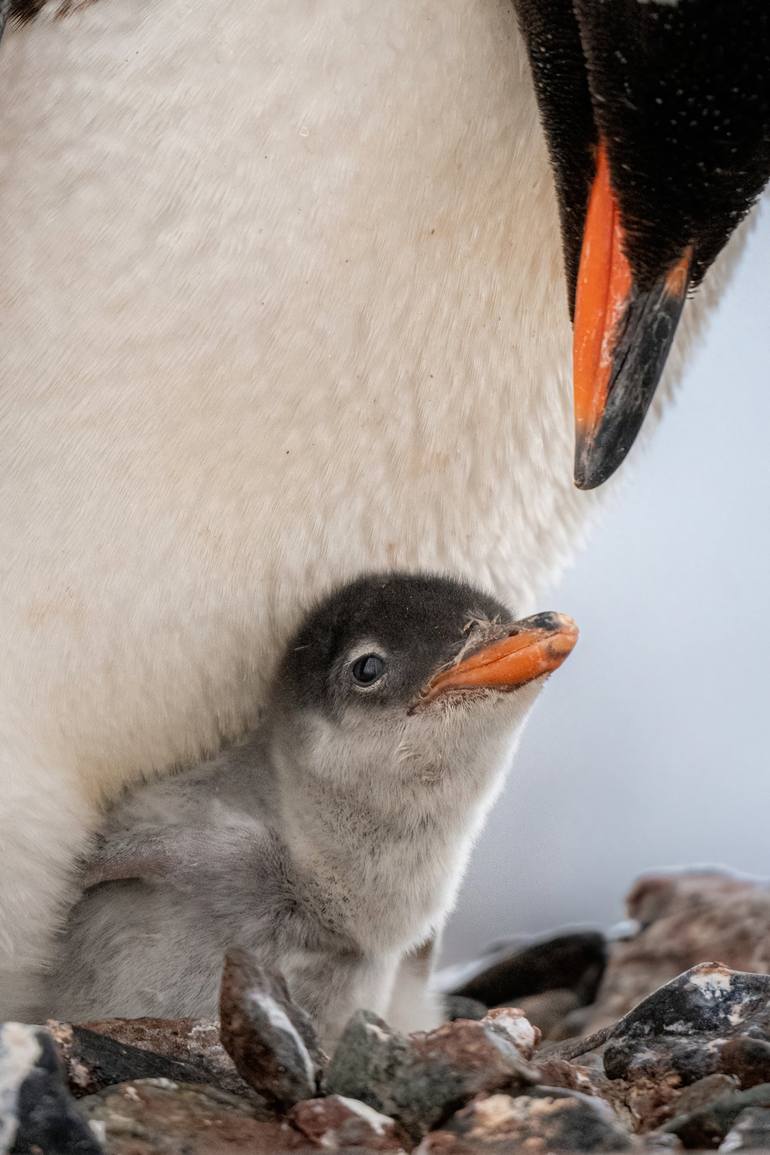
(272, 282)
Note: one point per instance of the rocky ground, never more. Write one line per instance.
(658, 1039)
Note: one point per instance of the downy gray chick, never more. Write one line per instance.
(333, 839)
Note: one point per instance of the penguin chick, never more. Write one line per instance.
(332, 840)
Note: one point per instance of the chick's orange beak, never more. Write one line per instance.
(622, 336)
(535, 646)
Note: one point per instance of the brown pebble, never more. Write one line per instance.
(336, 1123)
(158, 1117)
(269, 1038)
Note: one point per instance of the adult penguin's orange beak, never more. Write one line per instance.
(622, 336)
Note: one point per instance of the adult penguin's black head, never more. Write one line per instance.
(657, 115)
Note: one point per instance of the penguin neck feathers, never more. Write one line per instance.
(380, 839)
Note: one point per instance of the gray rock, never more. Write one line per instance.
(550, 1120)
(37, 1112)
(422, 1079)
(704, 1092)
(269, 1038)
(750, 1132)
(708, 1126)
(691, 1027)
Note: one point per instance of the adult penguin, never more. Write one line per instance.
(283, 300)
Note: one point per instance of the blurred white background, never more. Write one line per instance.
(652, 746)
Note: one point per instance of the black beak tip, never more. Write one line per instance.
(585, 475)
(642, 343)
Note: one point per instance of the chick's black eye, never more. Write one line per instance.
(367, 669)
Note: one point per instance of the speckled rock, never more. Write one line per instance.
(685, 917)
(37, 1112)
(337, 1123)
(685, 1027)
(93, 1061)
(421, 1079)
(193, 1042)
(548, 1121)
(159, 1117)
(574, 961)
(708, 1126)
(269, 1038)
(750, 1132)
(513, 1025)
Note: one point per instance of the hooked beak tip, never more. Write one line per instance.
(622, 337)
(592, 466)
